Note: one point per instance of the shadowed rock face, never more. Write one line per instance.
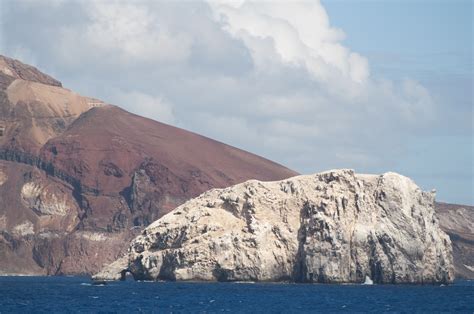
(458, 222)
(331, 227)
(80, 178)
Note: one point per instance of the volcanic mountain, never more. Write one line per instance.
(79, 177)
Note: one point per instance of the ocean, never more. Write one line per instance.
(78, 295)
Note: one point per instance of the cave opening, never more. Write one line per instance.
(126, 275)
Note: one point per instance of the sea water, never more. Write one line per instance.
(77, 294)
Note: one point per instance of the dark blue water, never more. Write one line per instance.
(76, 294)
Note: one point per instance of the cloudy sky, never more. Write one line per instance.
(371, 85)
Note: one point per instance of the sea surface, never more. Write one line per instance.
(77, 294)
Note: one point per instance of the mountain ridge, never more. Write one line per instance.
(17, 69)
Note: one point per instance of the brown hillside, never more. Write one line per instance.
(78, 178)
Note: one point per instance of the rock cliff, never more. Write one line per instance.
(331, 227)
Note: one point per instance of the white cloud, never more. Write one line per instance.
(271, 77)
(300, 33)
(124, 32)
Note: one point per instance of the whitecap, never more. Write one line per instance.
(368, 281)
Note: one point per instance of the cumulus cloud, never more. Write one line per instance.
(271, 77)
(300, 35)
(125, 32)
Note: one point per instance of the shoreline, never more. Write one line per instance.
(88, 277)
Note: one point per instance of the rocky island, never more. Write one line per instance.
(331, 227)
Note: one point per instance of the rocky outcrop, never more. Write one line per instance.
(331, 227)
(44, 202)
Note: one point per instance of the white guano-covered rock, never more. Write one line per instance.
(3, 176)
(43, 201)
(331, 227)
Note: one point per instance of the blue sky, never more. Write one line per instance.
(416, 26)
(432, 42)
(371, 85)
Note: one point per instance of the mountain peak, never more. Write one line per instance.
(20, 70)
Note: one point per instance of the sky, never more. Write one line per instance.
(374, 86)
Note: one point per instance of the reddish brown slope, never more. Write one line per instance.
(151, 166)
(34, 107)
(111, 137)
(458, 222)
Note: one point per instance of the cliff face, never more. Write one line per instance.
(458, 222)
(331, 227)
(80, 178)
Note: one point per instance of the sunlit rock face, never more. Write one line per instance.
(43, 201)
(331, 227)
(3, 176)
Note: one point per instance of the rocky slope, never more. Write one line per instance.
(458, 222)
(18, 70)
(80, 178)
(330, 227)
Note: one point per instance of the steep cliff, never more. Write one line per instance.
(331, 227)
